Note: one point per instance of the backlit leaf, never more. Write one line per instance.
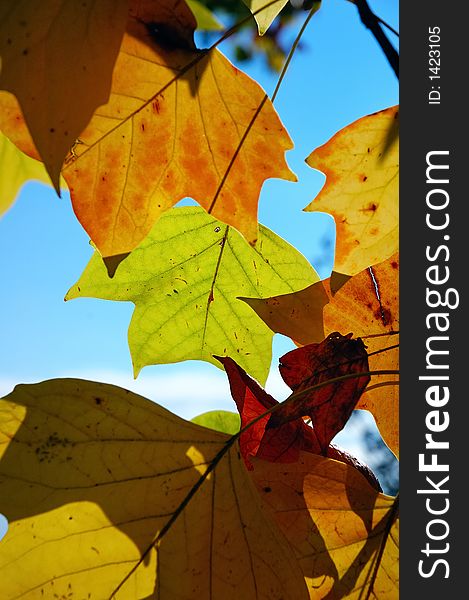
(57, 56)
(98, 487)
(297, 315)
(344, 533)
(361, 165)
(354, 307)
(184, 279)
(219, 420)
(279, 442)
(18, 169)
(206, 20)
(265, 16)
(265, 11)
(368, 305)
(171, 129)
(330, 406)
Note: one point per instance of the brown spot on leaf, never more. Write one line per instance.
(384, 315)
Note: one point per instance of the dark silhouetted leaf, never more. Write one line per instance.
(330, 406)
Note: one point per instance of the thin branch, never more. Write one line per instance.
(292, 51)
(393, 513)
(371, 21)
(391, 29)
(258, 110)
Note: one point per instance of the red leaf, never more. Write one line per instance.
(284, 442)
(329, 407)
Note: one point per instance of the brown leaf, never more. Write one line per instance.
(297, 315)
(366, 304)
(282, 442)
(56, 57)
(330, 406)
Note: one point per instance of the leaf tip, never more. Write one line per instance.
(71, 294)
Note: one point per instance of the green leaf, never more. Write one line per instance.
(206, 20)
(219, 420)
(185, 279)
(17, 169)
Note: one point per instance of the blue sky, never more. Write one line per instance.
(339, 76)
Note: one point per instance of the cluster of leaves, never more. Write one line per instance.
(106, 493)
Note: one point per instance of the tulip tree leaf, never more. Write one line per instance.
(185, 279)
(19, 168)
(344, 534)
(219, 420)
(108, 494)
(361, 165)
(180, 122)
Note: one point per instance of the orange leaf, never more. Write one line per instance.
(344, 533)
(368, 305)
(172, 128)
(354, 307)
(361, 165)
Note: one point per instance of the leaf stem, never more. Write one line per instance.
(378, 385)
(292, 51)
(391, 29)
(261, 105)
(375, 335)
(383, 350)
(393, 512)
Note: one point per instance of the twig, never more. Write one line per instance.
(391, 29)
(372, 22)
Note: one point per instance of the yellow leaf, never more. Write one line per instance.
(343, 532)
(56, 56)
(265, 11)
(361, 165)
(108, 494)
(172, 128)
(368, 306)
(265, 16)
